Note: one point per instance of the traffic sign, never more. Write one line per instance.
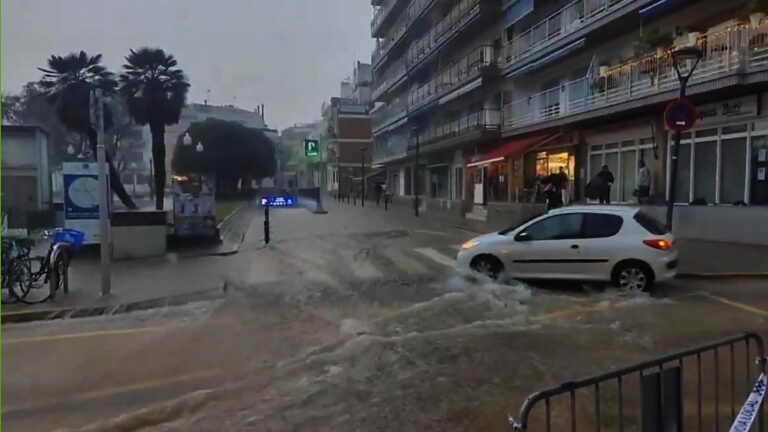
(278, 201)
(681, 115)
(311, 148)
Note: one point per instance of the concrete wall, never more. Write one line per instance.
(132, 242)
(748, 225)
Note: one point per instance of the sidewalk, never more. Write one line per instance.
(698, 258)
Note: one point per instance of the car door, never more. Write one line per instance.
(599, 244)
(547, 248)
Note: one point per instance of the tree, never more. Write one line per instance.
(155, 91)
(67, 84)
(232, 153)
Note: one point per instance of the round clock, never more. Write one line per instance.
(84, 192)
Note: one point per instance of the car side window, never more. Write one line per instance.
(597, 225)
(558, 227)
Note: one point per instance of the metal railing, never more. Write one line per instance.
(459, 15)
(385, 44)
(675, 376)
(486, 119)
(382, 117)
(458, 72)
(381, 14)
(395, 73)
(739, 49)
(565, 21)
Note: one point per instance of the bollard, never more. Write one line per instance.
(386, 202)
(266, 225)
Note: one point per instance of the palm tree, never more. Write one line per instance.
(67, 84)
(156, 91)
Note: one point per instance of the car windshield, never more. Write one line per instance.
(383, 215)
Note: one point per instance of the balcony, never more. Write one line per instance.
(382, 118)
(738, 50)
(484, 120)
(391, 77)
(385, 45)
(458, 73)
(455, 20)
(567, 20)
(416, 8)
(381, 15)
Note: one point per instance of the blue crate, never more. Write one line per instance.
(72, 237)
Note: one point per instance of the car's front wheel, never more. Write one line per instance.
(487, 265)
(633, 277)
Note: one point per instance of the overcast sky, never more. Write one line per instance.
(288, 54)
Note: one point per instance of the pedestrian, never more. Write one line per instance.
(378, 190)
(562, 185)
(606, 181)
(643, 182)
(552, 194)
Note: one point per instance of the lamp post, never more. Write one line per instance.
(415, 133)
(362, 176)
(686, 54)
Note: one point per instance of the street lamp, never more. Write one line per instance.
(199, 147)
(70, 149)
(362, 175)
(685, 54)
(415, 133)
(187, 140)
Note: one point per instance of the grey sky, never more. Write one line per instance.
(288, 54)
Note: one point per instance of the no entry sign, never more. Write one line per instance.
(681, 115)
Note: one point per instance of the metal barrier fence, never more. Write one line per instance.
(695, 389)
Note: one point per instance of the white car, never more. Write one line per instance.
(614, 244)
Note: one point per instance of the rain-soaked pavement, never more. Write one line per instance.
(353, 331)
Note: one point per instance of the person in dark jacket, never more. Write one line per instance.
(606, 180)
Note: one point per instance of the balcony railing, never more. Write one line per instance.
(384, 116)
(395, 73)
(738, 49)
(457, 73)
(380, 15)
(394, 145)
(385, 44)
(561, 23)
(462, 12)
(487, 119)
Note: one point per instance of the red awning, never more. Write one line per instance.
(511, 147)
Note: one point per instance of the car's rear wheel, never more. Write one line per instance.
(633, 277)
(487, 265)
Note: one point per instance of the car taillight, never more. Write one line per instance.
(660, 244)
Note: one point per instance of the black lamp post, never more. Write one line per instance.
(415, 133)
(686, 54)
(362, 175)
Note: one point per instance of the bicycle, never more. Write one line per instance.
(52, 269)
(15, 270)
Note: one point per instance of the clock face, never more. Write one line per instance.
(84, 192)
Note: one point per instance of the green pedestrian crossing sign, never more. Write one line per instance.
(311, 148)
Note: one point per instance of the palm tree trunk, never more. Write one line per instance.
(115, 181)
(158, 159)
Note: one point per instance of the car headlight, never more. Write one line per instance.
(469, 245)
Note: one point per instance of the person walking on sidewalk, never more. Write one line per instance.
(606, 181)
(643, 182)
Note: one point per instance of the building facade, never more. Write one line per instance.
(497, 94)
(26, 175)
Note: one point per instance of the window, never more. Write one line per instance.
(705, 164)
(733, 170)
(560, 227)
(598, 225)
(683, 189)
(650, 223)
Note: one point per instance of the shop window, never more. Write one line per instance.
(704, 170)
(731, 130)
(732, 170)
(628, 175)
(408, 180)
(612, 160)
(458, 183)
(706, 133)
(759, 174)
(595, 163)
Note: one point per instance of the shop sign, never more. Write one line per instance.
(728, 110)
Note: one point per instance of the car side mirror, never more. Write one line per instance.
(523, 237)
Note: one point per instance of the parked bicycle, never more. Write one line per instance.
(37, 279)
(16, 272)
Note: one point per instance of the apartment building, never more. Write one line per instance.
(498, 94)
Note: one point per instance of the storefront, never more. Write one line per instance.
(555, 156)
(725, 159)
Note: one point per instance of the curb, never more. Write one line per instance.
(229, 216)
(735, 275)
(92, 311)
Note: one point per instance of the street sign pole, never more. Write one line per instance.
(678, 126)
(323, 171)
(97, 114)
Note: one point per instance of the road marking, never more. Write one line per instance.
(437, 257)
(735, 304)
(440, 233)
(114, 391)
(405, 262)
(88, 334)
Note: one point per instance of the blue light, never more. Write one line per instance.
(278, 201)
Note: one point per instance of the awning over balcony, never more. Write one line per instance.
(511, 147)
(543, 61)
(658, 7)
(461, 91)
(423, 109)
(517, 10)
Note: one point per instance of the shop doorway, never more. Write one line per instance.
(479, 197)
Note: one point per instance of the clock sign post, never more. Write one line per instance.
(81, 198)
